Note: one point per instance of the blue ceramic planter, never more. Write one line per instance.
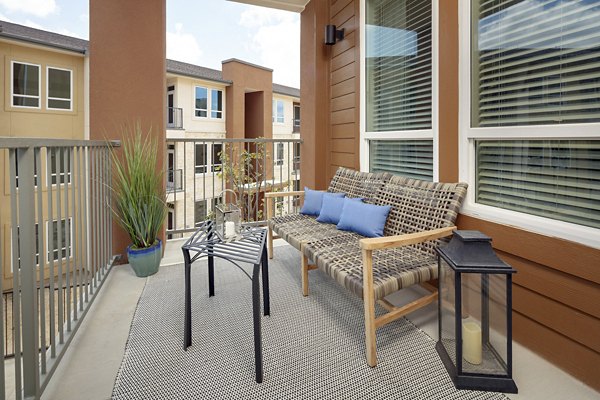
(145, 262)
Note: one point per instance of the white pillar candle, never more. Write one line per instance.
(471, 332)
(229, 228)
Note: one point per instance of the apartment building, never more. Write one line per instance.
(207, 106)
(46, 81)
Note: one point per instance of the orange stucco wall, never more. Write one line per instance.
(127, 74)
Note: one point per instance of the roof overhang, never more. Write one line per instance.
(287, 5)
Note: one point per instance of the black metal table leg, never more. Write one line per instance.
(211, 276)
(265, 281)
(258, 361)
(211, 267)
(187, 330)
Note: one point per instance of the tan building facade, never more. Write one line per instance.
(44, 96)
(206, 106)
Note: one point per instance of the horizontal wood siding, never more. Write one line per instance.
(343, 93)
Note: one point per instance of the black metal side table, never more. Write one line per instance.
(251, 248)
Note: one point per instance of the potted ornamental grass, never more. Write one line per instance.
(139, 198)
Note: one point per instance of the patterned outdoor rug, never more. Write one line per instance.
(313, 347)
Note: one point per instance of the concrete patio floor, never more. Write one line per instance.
(90, 366)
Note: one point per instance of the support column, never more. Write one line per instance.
(314, 92)
(127, 74)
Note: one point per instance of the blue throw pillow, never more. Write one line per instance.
(313, 200)
(331, 210)
(365, 219)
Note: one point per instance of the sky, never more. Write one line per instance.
(202, 32)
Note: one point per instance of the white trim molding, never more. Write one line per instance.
(467, 161)
(424, 134)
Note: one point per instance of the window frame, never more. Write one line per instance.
(206, 212)
(421, 134)
(280, 148)
(57, 176)
(214, 157)
(205, 166)
(218, 112)
(12, 88)
(275, 116)
(467, 153)
(69, 250)
(48, 98)
(208, 110)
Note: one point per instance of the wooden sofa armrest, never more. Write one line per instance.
(390, 242)
(270, 195)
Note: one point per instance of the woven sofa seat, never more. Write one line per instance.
(393, 269)
(303, 229)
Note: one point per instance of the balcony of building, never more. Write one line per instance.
(129, 345)
(76, 324)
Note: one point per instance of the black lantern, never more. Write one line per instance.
(475, 314)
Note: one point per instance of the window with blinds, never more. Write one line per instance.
(535, 62)
(398, 65)
(558, 179)
(410, 158)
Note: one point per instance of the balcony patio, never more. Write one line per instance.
(89, 368)
(313, 346)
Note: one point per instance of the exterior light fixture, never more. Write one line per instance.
(475, 314)
(332, 35)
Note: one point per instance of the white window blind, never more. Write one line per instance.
(535, 62)
(410, 158)
(398, 65)
(558, 179)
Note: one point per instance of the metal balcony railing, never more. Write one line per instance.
(174, 118)
(56, 210)
(250, 167)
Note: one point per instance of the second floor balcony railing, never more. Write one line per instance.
(203, 168)
(56, 211)
(174, 118)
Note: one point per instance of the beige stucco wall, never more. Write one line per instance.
(34, 122)
(21, 122)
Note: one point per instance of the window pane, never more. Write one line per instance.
(216, 105)
(63, 237)
(61, 167)
(279, 111)
(199, 211)
(26, 101)
(59, 83)
(216, 157)
(201, 101)
(60, 104)
(398, 65)
(279, 160)
(200, 157)
(535, 62)
(558, 179)
(410, 158)
(26, 79)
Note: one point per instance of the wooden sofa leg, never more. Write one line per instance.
(304, 275)
(369, 302)
(270, 242)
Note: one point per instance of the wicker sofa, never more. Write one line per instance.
(422, 214)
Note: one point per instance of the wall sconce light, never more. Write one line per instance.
(332, 35)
